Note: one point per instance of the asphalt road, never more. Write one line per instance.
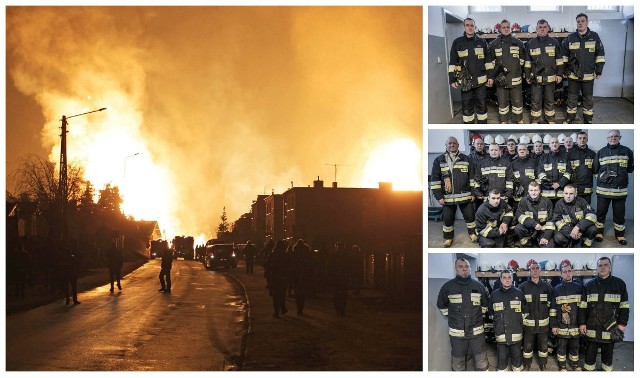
(196, 327)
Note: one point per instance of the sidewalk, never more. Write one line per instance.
(374, 336)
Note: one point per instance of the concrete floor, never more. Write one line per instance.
(461, 239)
(606, 110)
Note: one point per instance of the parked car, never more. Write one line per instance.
(220, 256)
(157, 247)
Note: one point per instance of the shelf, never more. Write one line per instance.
(524, 35)
(544, 273)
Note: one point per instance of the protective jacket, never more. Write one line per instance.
(530, 213)
(452, 178)
(612, 167)
(524, 171)
(470, 54)
(475, 158)
(583, 55)
(489, 218)
(544, 60)
(605, 305)
(507, 306)
(494, 173)
(553, 167)
(507, 52)
(538, 297)
(577, 213)
(565, 308)
(464, 301)
(581, 161)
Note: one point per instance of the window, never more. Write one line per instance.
(544, 8)
(486, 9)
(606, 8)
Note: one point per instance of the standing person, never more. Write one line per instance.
(511, 153)
(165, 270)
(606, 314)
(507, 56)
(553, 172)
(581, 160)
(70, 268)
(468, 64)
(538, 295)
(249, 255)
(277, 266)
(564, 318)
(583, 54)
(567, 145)
(614, 163)
(493, 220)
(494, 173)
(543, 69)
(115, 262)
(452, 179)
(535, 219)
(574, 219)
(338, 272)
(538, 150)
(302, 272)
(507, 305)
(475, 157)
(464, 301)
(524, 171)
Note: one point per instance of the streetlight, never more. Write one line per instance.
(62, 182)
(124, 171)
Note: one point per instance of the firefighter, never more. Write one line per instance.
(553, 172)
(507, 305)
(581, 162)
(493, 220)
(564, 317)
(605, 304)
(524, 171)
(543, 69)
(465, 301)
(583, 54)
(469, 62)
(475, 157)
(574, 219)
(538, 150)
(451, 183)
(613, 164)
(507, 55)
(511, 153)
(535, 219)
(538, 295)
(494, 173)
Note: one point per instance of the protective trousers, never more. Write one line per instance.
(508, 96)
(562, 237)
(538, 93)
(575, 87)
(586, 197)
(474, 102)
(602, 208)
(539, 340)
(498, 242)
(528, 236)
(449, 217)
(475, 346)
(570, 346)
(513, 351)
(606, 356)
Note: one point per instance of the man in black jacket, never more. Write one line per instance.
(581, 160)
(508, 306)
(165, 270)
(493, 220)
(564, 318)
(553, 171)
(115, 261)
(574, 219)
(535, 219)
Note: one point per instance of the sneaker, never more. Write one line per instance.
(474, 238)
(598, 238)
(622, 240)
(447, 243)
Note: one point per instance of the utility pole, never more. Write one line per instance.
(335, 170)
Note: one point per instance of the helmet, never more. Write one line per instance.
(561, 138)
(531, 262)
(485, 267)
(499, 266)
(546, 139)
(536, 138)
(578, 265)
(513, 137)
(525, 139)
(574, 137)
(499, 139)
(592, 265)
(488, 139)
(563, 263)
(475, 136)
(550, 265)
(513, 264)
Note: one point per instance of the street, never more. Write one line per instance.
(196, 327)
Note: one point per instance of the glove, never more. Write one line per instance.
(617, 335)
(448, 187)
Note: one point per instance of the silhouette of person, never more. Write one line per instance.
(338, 272)
(115, 261)
(70, 266)
(165, 271)
(277, 270)
(249, 255)
(302, 272)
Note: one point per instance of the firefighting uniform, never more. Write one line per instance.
(452, 179)
(475, 158)
(464, 301)
(614, 159)
(531, 213)
(524, 171)
(564, 316)
(488, 221)
(494, 173)
(569, 215)
(553, 167)
(473, 54)
(543, 63)
(507, 306)
(588, 50)
(581, 162)
(605, 304)
(508, 51)
(536, 324)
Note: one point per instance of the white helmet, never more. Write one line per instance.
(550, 265)
(592, 265)
(525, 139)
(574, 137)
(561, 138)
(488, 139)
(499, 139)
(578, 265)
(513, 137)
(485, 267)
(536, 138)
(546, 139)
(499, 266)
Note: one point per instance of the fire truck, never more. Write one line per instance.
(183, 247)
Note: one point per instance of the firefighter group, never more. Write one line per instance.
(533, 199)
(524, 318)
